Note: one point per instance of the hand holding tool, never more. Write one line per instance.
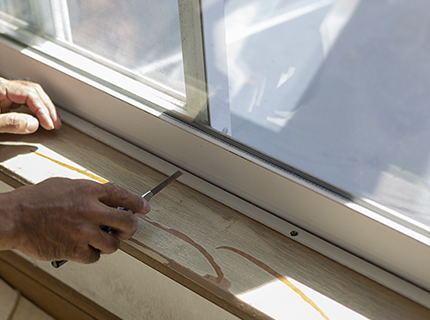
(147, 196)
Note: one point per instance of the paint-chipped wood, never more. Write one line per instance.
(215, 251)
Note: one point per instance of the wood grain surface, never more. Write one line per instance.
(244, 267)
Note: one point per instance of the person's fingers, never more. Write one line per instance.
(29, 94)
(48, 104)
(105, 242)
(115, 196)
(60, 219)
(32, 94)
(124, 223)
(86, 255)
(5, 106)
(18, 123)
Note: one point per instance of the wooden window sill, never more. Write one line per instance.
(222, 255)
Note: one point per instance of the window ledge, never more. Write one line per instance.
(237, 263)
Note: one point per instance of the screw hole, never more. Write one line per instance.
(294, 233)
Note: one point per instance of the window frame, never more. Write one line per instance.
(381, 240)
(204, 55)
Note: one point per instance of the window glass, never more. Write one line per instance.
(17, 10)
(340, 90)
(134, 37)
(138, 35)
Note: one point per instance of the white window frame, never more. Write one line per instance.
(387, 241)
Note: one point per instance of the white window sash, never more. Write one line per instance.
(61, 20)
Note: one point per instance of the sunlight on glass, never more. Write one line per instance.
(17, 10)
(133, 37)
(339, 89)
(135, 34)
(274, 51)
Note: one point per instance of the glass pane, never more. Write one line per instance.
(134, 37)
(17, 10)
(338, 89)
(134, 34)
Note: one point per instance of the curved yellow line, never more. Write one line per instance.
(279, 276)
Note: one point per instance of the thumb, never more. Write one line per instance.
(18, 123)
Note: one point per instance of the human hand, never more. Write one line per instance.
(60, 219)
(14, 93)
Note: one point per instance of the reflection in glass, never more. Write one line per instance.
(17, 10)
(135, 37)
(339, 89)
(135, 34)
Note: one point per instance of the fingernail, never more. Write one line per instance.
(146, 206)
(50, 124)
(32, 124)
(45, 115)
